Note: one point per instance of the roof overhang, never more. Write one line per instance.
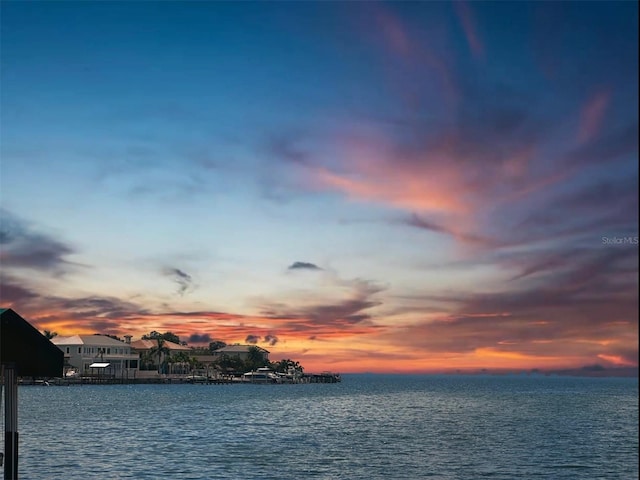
(24, 347)
(99, 365)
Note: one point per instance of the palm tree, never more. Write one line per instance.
(286, 364)
(255, 358)
(230, 365)
(49, 334)
(146, 360)
(160, 350)
(184, 361)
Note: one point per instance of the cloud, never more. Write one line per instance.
(562, 305)
(22, 247)
(597, 209)
(592, 116)
(480, 167)
(481, 157)
(86, 314)
(303, 266)
(465, 15)
(199, 338)
(412, 52)
(269, 339)
(344, 316)
(617, 144)
(418, 222)
(184, 280)
(13, 292)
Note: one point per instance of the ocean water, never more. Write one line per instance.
(368, 426)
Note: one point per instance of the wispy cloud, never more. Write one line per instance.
(345, 316)
(585, 299)
(418, 222)
(22, 246)
(465, 15)
(86, 314)
(303, 266)
(520, 145)
(183, 279)
(616, 145)
(592, 116)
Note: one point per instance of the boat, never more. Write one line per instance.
(261, 375)
(196, 378)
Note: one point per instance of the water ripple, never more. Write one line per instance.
(367, 427)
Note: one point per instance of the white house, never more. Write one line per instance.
(107, 354)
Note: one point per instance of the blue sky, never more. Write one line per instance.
(437, 184)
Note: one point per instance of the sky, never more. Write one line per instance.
(359, 186)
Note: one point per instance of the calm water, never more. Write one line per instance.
(368, 426)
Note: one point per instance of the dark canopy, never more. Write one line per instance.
(31, 352)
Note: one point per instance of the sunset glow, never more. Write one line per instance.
(359, 186)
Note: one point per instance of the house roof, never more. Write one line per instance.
(239, 349)
(93, 340)
(149, 344)
(24, 346)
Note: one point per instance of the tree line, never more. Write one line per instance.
(168, 362)
(160, 357)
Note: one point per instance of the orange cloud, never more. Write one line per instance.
(438, 347)
(400, 188)
(617, 360)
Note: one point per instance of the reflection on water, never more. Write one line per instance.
(368, 426)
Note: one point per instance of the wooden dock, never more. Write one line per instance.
(324, 377)
(102, 379)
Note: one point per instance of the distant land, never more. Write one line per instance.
(586, 371)
(596, 371)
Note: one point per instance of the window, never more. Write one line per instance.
(108, 351)
(79, 349)
(67, 349)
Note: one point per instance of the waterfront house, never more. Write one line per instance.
(240, 351)
(153, 357)
(107, 355)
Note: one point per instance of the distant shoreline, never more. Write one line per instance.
(627, 372)
(306, 378)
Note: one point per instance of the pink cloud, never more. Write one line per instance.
(416, 54)
(592, 115)
(402, 189)
(395, 33)
(617, 360)
(465, 15)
